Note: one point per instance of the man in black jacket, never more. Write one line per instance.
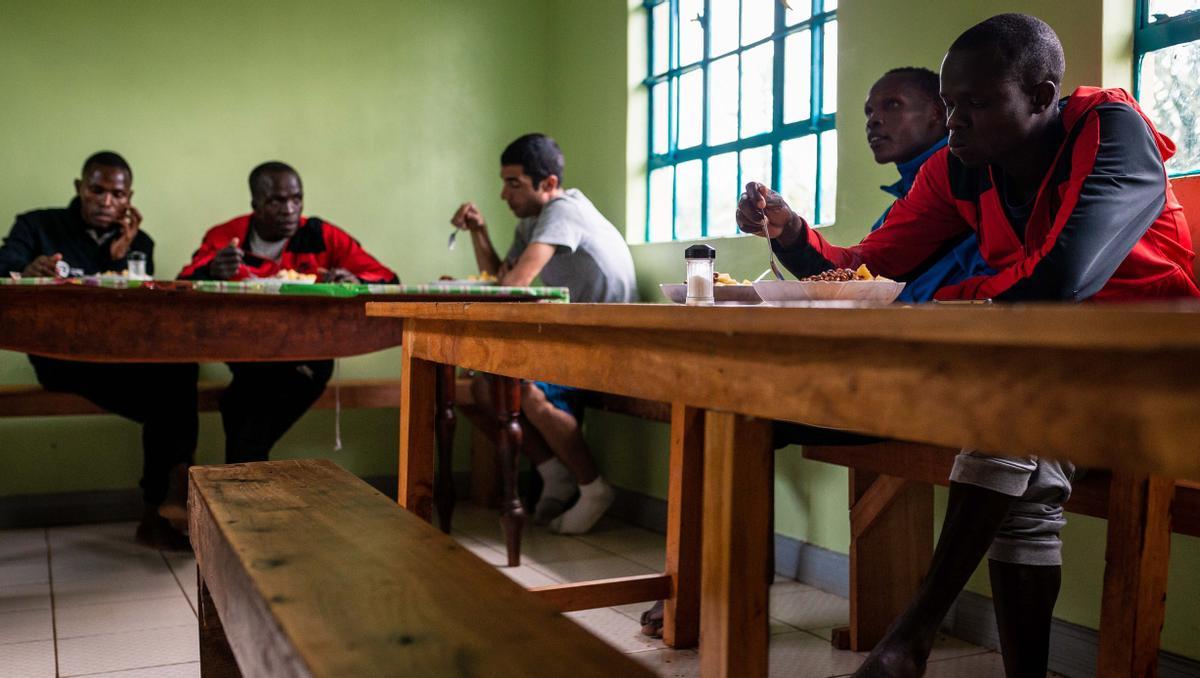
(97, 232)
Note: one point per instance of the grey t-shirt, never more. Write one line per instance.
(590, 258)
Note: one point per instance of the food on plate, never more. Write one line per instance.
(726, 279)
(845, 275)
(483, 276)
(296, 276)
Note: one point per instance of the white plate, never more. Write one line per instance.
(782, 292)
(476, 283)
(722, 294)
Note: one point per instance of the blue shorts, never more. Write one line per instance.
(564, 398)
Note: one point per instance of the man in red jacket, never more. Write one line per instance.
(266, 398)
(1070, 201)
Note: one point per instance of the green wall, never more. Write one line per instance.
(395, 112)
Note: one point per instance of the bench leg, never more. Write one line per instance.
(891, 544)
(735, 545)
(443, 494)
(685, 502)
(216, 657)
(1135, 574)
(418, 398)
(507, 395)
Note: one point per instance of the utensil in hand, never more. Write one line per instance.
(450, 242)
(774, 266)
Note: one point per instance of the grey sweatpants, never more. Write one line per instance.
(1029, 534)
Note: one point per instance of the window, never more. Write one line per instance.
(1166, 47)
(739, 90)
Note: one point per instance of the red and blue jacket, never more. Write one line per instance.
(315, 247)
(1104, 224)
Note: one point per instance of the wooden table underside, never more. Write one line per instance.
(1107, 386)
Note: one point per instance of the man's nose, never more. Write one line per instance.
(955, 119)
(106, 199)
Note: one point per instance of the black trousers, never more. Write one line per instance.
(264, 400)
(159, 396)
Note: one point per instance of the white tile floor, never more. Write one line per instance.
(88, 601)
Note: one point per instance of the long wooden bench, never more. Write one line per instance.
(305, 570)
(25, 400)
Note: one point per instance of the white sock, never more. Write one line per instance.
(594, 500)
(557, 482)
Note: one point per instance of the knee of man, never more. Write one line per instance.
(534, 404)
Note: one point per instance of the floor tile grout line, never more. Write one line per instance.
(118, 633)
(171, 569)
(140, 668)
(53, 610)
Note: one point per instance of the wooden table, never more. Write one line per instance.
(1107, 386)
(171, 321)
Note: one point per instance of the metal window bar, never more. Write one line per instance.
(817, 123)
(1149, 37)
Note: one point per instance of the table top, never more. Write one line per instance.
(1110, 386)
(160, 321)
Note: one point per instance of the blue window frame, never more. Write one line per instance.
(739, 90)
(1166, 47)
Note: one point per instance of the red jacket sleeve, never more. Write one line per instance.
(345, 252)
(214, 241)
(917, 227)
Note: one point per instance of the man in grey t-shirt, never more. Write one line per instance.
(563, 239)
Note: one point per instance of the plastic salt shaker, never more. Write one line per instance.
(136, 263)
(700, 261)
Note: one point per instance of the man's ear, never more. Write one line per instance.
(548, 184)
(78, 183)
(1045, 95)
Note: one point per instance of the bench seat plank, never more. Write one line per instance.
(315, 573)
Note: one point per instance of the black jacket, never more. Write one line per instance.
(63, 231)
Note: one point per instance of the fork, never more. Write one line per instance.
(450, 242)
(774, 266)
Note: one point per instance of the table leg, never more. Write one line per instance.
(733, 603)
(216, 657)
(443, 495)
(1135, 574)
(891, 544)
(507, 395)
(685, 503)
(418, 398)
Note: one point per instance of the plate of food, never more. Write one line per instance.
(285, 277)
(726, 290)
(484, 278)
(844, 284)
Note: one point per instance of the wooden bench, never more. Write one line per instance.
(31, 400)
(305, 570)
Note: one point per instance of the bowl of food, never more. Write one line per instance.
(841, 285)
(726, 290)
(484, 278)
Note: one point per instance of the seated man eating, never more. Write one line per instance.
(1070, 201)
(266, 398)
(565, 240)
(97, 232)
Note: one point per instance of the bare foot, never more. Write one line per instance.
(889, 661)
(174, 507)
(156, 532)
(652, 621)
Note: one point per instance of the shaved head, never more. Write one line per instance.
(1022, 47)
